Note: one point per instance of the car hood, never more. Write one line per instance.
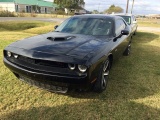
(61, 44)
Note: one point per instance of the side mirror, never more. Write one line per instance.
(55, 27)
(115, 39)
(124, 32)
(134, 22)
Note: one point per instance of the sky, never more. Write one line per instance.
(140, 6)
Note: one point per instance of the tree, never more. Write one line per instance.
(95, 12)
(115, 9)
(70, 4)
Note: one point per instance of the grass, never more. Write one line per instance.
(53, 15)
(42, 15)
(133, 90)
(21, 14)
(23, 25)
(143, 22)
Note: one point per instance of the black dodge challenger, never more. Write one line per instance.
(77, 55)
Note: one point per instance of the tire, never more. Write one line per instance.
(128, 50)
(135, 32)
(102, 80)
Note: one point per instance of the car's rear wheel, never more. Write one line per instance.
(128, 50)
(102, 79)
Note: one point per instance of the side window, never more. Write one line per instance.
(134, 18)
(120, 25)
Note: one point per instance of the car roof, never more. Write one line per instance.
(97, 16)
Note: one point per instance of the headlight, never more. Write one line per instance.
(82, 68)
(15, 56)
(72, 66)
(9, 54)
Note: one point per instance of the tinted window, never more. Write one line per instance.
(120, 25)
(87, 26)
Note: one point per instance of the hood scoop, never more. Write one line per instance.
(60, 38)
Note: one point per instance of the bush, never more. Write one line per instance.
(33, 15)
(60, 12)
(7, 14)
(21, 14)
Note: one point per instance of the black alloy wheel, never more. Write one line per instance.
(102, 79)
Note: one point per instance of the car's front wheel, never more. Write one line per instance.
(128, 50)
(102, 80)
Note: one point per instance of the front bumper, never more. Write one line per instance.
(48, 80)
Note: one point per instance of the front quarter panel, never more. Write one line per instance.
(98, 58)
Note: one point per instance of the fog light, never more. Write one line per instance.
(9, 54)
(82, 68)
(72, 66)
(15, 56)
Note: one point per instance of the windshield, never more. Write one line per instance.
(86, 26)
(127, 19)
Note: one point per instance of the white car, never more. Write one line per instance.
(131, 20)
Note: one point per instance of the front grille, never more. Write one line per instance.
(50, 63)
(23, 59)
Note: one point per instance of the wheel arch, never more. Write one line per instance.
(110, 56)
(98, 86)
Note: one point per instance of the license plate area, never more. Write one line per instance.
(50, 87)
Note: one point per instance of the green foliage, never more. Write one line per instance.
(7, 14)
(115, 9)
(70, 4)
(95, 12)
(60, 12)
